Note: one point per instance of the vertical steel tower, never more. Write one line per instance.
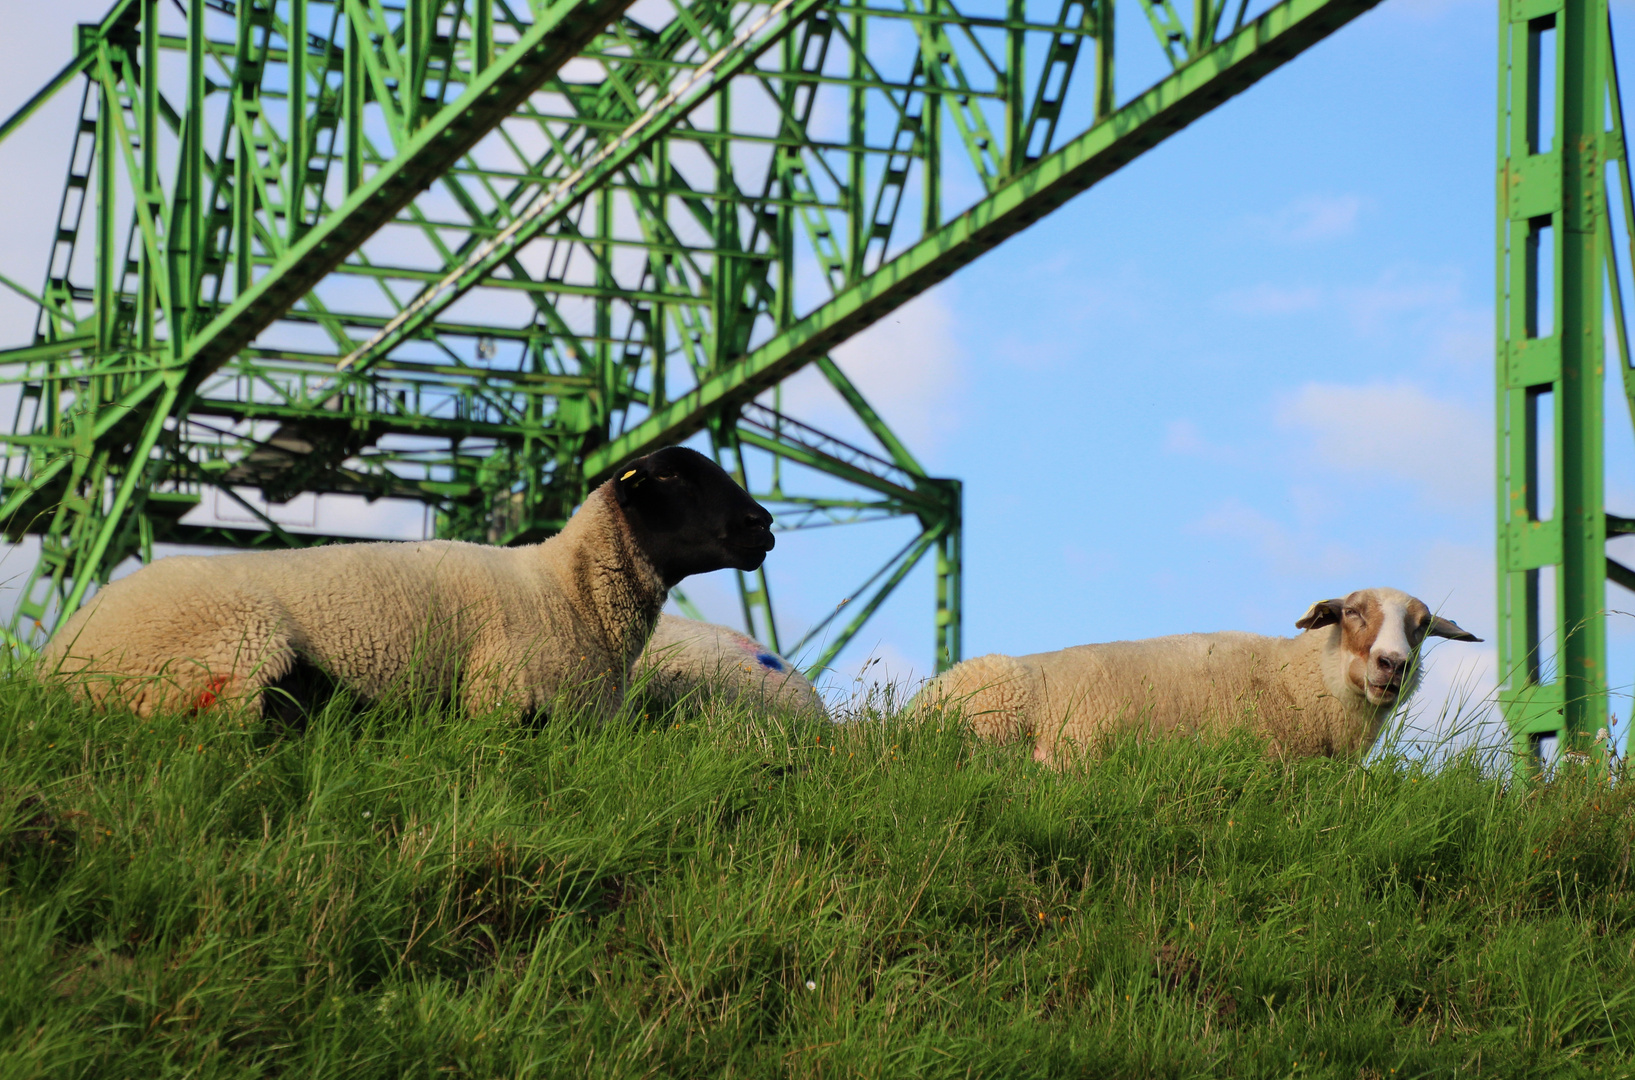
(476, 253)
(1563, 172)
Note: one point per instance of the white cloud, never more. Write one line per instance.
(342, 515)
(1456, 705)
(1457, 581)
(1457, 698)
(1294, 553)
(1401, 291)
(1268, 299)
(1311, 218)
(1186, 438)
(1405, 300)
(39, 40)
(1396, 432)
(885, 679)
(909, 366)
(1183, 437)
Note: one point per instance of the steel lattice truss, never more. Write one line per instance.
(478, 252)
(1563, 172)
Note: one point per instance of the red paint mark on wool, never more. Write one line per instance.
(208, 697)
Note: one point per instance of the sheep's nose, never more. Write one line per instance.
(1390, 664)
(758, 519)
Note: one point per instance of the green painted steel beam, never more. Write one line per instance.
(1556, 257)
(616, 244)
(46, 350)
(121, 17)
(1231, 67)
(608, 161)
(559, 32)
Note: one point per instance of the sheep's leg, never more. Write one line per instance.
(296, 695)
(236, 678)
(993, 694)
(482, 693)
(496, 680)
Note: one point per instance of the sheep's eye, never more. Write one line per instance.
(665, 476)
(1351, 613)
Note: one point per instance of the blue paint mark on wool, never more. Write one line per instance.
(768, 660)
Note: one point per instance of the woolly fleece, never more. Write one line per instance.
(1290, 691)
(509, 627)
(689, 657)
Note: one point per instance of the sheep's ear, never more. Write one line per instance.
(1449, 629)
(630, 478)
(1322, 613)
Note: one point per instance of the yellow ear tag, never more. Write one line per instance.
(628, 475)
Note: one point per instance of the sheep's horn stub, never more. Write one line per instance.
(690, 516)
(1449, 629)
(1322, 613)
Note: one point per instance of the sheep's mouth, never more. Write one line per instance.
(757, 545)
(752, 554)
(1385, 692)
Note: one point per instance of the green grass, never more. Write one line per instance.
(723, 893)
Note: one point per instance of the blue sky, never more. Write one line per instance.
(1251, 370)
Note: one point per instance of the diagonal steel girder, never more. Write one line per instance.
(733, 58)
(721, 240)
(559, 33)
(1232, 66)
(121, 15)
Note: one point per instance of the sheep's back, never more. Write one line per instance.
(364, 612)
(996, 695)
(1180, 683)
(688, 656)
(437, 609)
(154, 634)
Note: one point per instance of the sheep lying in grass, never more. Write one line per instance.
(492, 627)
(688, 658)
(1327, 691)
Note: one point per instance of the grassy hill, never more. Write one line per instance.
(730, 894)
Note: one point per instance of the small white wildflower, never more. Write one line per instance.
(366, 813)
(810, 985)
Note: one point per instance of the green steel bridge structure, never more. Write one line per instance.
(1564, 204)
(477, 253)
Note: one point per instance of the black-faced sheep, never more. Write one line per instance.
(688, 658)
(1327, 691)
(494, 627)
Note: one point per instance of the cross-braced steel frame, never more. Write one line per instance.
(477, 253)
(1563, 172)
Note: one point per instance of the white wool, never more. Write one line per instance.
(687, 657)
(1300, 694)
(508, 627)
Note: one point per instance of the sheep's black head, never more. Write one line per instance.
(689, 516)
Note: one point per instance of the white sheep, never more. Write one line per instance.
(1327, 691)
(492, 627)
(688, 658)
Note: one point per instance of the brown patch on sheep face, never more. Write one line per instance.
(1360, 621)
(1380, 634)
